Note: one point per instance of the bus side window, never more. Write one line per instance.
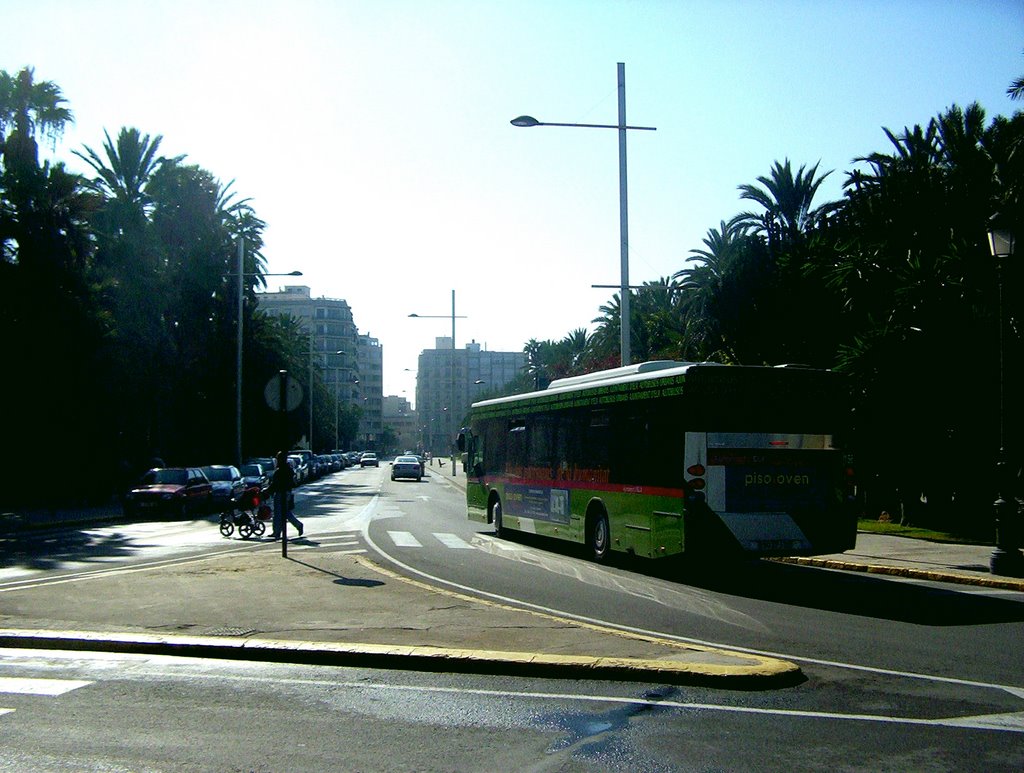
(595, 451)
(492, 438)
(516, 460)
(541, 445)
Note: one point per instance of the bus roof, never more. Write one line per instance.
(639, 372)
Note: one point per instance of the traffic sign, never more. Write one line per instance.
(272, 393)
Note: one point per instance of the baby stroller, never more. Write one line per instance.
(247, 515)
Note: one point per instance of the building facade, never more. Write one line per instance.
(400, 418)
(449, 380)
(351, 365)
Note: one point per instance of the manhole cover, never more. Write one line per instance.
(230, 632)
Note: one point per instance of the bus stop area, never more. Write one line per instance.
(348, 609)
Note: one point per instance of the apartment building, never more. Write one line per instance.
(350, 363)
(449, 380)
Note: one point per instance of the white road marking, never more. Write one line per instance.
(1009, 723)
(133, 569)
(404, 539)
(453, 541)
(1013, 690)
(52, 687)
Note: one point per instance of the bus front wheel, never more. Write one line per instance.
(600, 537)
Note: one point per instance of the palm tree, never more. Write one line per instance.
(1016, 89)
(29, 108)
(656, 324)
(128, 168)
(786, 201)
(606, 341)
(576, 345)
(700, 289)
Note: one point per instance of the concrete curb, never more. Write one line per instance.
(760, 674)
(903, 571)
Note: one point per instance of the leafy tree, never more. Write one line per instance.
(918, 287)
(48, 318)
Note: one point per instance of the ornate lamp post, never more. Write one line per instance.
(1006, 558)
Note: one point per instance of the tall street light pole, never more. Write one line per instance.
(451, 404)
(1006, 558)
(624, 314)
(337, 380)
(240, 274)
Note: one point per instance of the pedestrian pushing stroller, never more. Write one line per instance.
(247, 515)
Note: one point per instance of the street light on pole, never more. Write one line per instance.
(241, 274)
(451, 405)
(340, 353)
(527, 121)
(1006, 558)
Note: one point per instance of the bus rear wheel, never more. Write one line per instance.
(499, 530)
(599, 537)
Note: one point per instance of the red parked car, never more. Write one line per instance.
(173, 491)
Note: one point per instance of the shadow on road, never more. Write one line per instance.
(849, 593)
(856, 594)
(354, 582)
(50, 550)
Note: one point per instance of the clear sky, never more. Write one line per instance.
(373, 136)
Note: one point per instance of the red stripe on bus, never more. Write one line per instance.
(615, 488)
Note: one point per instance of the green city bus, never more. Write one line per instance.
(667, 458)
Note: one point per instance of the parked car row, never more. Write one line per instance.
(188, 491)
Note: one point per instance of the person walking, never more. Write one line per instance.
(281, 485)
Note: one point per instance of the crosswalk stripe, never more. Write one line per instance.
(52, 687)
(404, 539)
(453, 541)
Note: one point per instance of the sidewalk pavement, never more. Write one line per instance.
(330, 605)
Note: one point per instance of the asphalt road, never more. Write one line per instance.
(901, 675)
(77, 711)
(804, 614)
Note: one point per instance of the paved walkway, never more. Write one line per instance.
(341, 607)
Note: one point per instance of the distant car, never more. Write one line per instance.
(255, 476)
(406, 467)
(300, 467)
(268, 463)
(227, 483)
(175, 491)
(369, 460)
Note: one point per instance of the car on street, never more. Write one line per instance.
(255, 476)
(300, 468)
(369, 459)
(170, 491)
(268, 463)
(406, 467)
(307, 463)
(227, 484)
(422, 461)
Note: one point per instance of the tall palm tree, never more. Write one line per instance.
(786, 201)
(700, 288)
(577, 346)
(655, 322)
(126, 170)
(606, 342)
(29, 108)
